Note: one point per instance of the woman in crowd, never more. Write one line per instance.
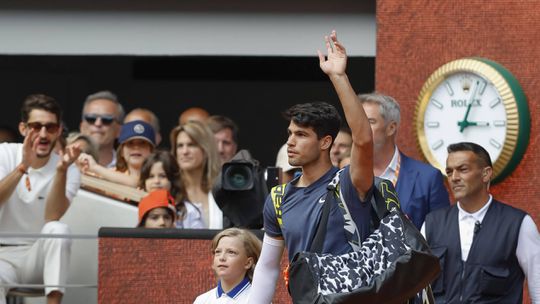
(194, 148)
(137, 141)
(160, 171)
(235, 251)
(156, 210)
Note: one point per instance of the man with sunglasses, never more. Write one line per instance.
(36, 188)
(102, 118)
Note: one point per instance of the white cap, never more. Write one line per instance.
(282, 160)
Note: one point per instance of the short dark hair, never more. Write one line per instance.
(219, 122)
(345, 129)
(40, 102)
(479, 151)
(321, 116)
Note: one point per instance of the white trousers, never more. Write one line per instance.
(44, 262)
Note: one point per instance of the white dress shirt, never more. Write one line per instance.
(392, 171)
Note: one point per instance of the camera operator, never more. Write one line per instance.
(240, 191)
(226, 135)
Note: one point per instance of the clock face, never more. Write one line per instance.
(464, 107)
(473, 100)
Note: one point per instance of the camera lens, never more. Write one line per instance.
(238, 177)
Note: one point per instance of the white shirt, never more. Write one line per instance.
(192, 219)
(390, 173)
(239, 295)
(215, 215)
(112, 164)
(527, 251)
(24, 211)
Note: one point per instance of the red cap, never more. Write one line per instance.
(160, 198)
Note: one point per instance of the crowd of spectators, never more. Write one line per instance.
(38, 180)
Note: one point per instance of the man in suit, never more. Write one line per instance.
(486, 247)
(420, 187)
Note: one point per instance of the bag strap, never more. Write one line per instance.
(317, 243)
(384, 200)
(349, 226)
(320, 233)
(276, 194)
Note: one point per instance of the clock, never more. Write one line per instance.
(474, 100)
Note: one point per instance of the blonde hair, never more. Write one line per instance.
(204, 138)
(252, 245)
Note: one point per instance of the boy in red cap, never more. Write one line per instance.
(156, 210)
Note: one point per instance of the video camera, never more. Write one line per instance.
(241, 189)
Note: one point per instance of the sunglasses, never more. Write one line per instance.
(105, 119)
(51, 127)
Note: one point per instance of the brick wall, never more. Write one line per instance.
(415, 37)
(157, 270)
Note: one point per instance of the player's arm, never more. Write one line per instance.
(334, 65)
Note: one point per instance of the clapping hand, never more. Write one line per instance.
(29, 148)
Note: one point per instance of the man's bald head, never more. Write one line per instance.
(194, 113)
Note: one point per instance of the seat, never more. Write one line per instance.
(15, 295)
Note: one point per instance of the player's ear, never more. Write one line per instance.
(326, 142)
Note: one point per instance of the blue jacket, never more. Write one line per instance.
(420, 188)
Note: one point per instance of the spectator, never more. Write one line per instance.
(156, 210)
(312, 129)
(486, 247)
(160, 171)
(235, 251)
(420, 187)
(136, 144)
(86, 144)
(193, 114)
(288, 172)
(36, 188)
(8, 134)
(148, 117)
(226, 134)
(102, 118)
(61, 142)
(341, 148)
(194, 148)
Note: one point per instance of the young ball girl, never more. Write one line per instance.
(235, 252)
(160, 171)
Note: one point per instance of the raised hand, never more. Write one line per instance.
(335, 62)
(29, 148)
(85, 163)
(68, 156)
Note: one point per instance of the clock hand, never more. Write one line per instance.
(478, 123)
(465, 123)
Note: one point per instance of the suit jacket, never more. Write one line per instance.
(420, 188)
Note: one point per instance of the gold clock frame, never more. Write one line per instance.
(513, 98)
